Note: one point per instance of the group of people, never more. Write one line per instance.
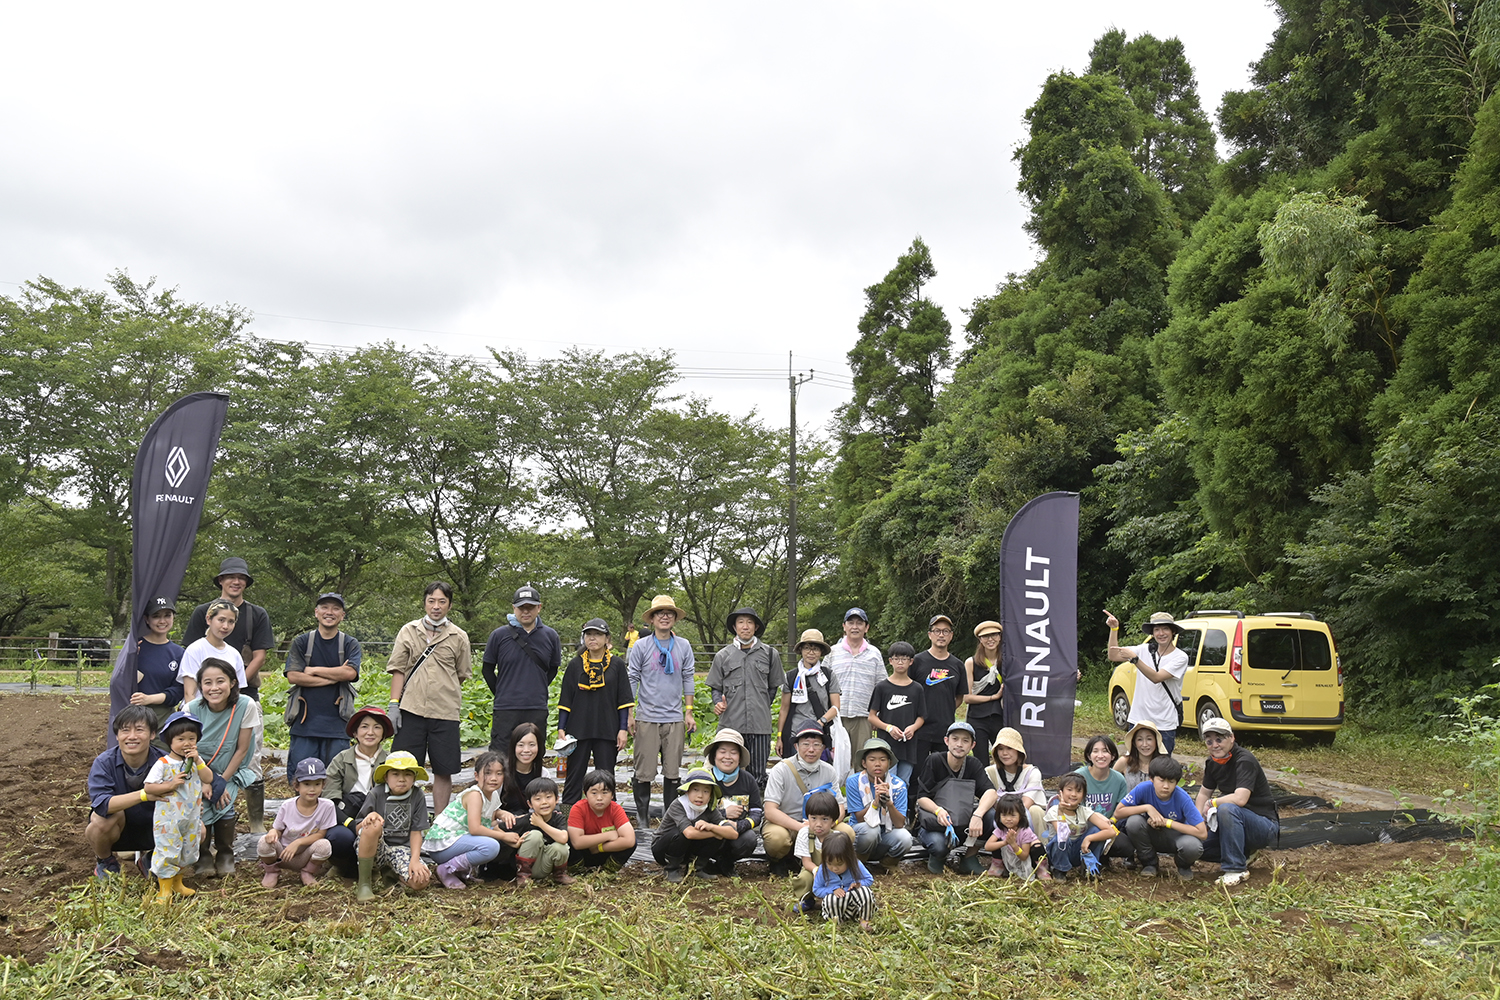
(168, 789)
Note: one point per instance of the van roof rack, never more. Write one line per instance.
(1308, 615)
(1217, 613)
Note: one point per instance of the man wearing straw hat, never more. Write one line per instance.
(660, 668)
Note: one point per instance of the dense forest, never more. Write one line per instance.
(1270, 371)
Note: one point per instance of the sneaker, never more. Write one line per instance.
(143, 863)
(1233, 878)
(997, 869)
(1148, 871)
(808, 904)
(1184, 874)
(106, 867)
(673, 875)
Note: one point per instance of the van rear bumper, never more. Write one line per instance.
(1281, 720)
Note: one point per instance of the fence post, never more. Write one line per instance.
(51, 648)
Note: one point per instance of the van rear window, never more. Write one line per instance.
(1283, 649)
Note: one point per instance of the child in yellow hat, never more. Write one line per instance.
(391, 824)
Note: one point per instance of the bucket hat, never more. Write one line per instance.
(812, 637)
(370, 712)
(234, 565)
(760, 626)
(1161, 618)
(401, 760)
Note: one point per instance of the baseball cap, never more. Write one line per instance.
(526, 595)
(856, 613)
(309, 769)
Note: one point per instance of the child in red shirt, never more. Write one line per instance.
(598, 829)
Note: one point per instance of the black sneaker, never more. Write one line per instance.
(1185, 874)
(1148, 871)
(673, 875)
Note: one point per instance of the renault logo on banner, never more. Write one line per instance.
(177, 466)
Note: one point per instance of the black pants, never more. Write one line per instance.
(672, 850)
(502, 722)
(758, 746)
(603, 754)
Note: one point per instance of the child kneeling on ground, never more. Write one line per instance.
(842, 885)
(459, 840)
(298, 839)
(1068, 845)
(544, 836)
(1160, 817)
(391, 824)
(1014, 846)
(598, 829)
(694, 830)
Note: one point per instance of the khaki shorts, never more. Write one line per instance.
(660, 738)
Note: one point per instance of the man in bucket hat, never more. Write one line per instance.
(1158, 690)
(745, 682)
(252, 638)
(660, 667)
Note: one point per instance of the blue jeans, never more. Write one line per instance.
(1240, 833)
(1066, 857)
(481, 850)
(1169, 740)
(303, 747)
(871, 845)
(903, 771)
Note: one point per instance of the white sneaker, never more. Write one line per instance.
(1233, 878)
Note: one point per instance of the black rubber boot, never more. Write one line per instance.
(642, 804)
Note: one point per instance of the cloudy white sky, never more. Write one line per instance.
(718, 180)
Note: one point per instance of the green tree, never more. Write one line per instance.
(1177, 142)
(82, 375)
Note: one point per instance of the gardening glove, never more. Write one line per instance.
(952, 837)
(1212, 818)
(1090, 862)
(393, 712)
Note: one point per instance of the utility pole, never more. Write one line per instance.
(792, 382)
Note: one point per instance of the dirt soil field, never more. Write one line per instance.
(51, 741)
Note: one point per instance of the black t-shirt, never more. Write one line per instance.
(252, 631)
(594, 698)
(943, 681)
(900, 706)
(158, 662)
(984, 709)
(746, 791)
(1242, 770)
(320, 718)
(936, 771)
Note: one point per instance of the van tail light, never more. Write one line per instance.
(1338, 661)
(1237, 653)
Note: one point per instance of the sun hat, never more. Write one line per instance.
(663, 602)
(565, 746)
(988, 628)
(812, 637)
(760, 626)
(1161, 618)
(871, 745)
(178, 717)
(1009, 737)
(1129, 741)
(401, 760)
(724, 735)
(232, 566)
(702, 776)
(370, 712)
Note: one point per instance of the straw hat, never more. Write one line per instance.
(812, 637)
(663, 602)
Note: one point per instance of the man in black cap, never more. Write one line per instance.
(520, 660)
(253, 637)
(323, 666)
(745, 681)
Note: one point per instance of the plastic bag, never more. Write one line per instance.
(842, 753)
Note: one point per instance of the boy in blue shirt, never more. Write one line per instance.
(877, 802)
(1160, 817)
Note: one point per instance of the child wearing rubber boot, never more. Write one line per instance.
(461, 839)
(298, 839)
(391, 823)
(176, 780)
(544, 836)
(694, 830)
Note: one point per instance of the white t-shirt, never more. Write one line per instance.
(195, 654)
(1152, 703)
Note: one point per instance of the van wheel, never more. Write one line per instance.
(1119, 704)
(1206, 710)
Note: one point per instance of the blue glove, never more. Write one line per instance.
(1090, 862)
(952, 837)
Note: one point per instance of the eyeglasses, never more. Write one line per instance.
(940, 631)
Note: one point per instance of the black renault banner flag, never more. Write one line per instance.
(167, 491)
(1039, 611)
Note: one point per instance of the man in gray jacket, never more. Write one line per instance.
(745, 680)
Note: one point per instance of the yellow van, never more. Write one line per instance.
(1278, 672)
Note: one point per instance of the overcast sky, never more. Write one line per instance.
(717, 180)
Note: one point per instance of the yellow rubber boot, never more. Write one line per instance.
(163, 891)
(181, 889)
